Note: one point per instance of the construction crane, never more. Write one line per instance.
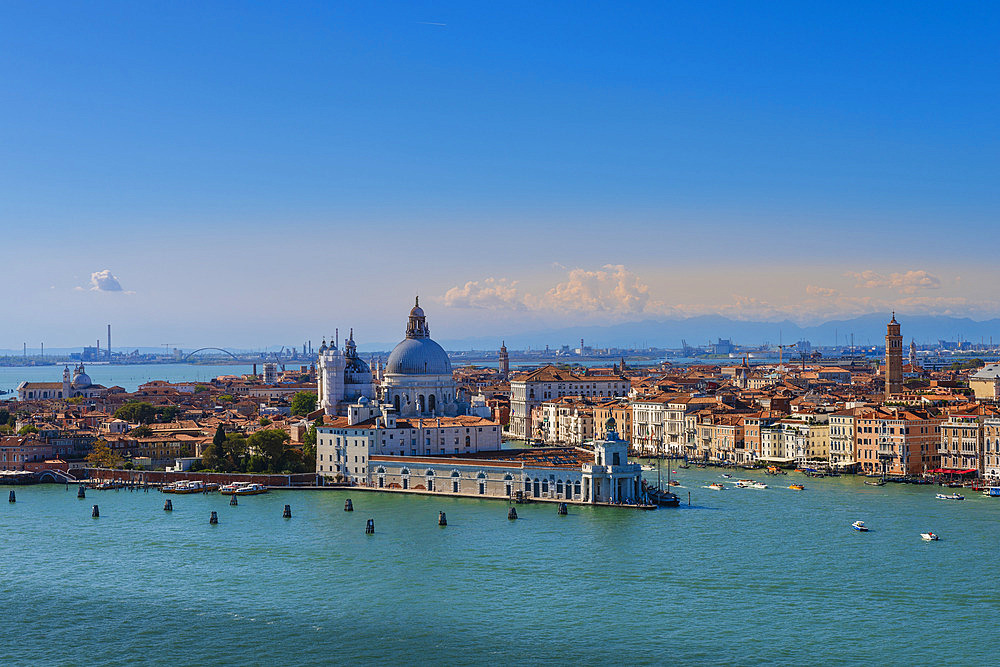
(781, 351)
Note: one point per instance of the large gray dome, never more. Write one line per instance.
(418, 356)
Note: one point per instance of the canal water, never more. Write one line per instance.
(741, 576)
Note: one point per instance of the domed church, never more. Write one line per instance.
(417, 379)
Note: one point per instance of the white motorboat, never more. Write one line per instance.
(717, 487)
(758, 485)
(929, 537)
(950, 496)
(251, 490)
(860, 526)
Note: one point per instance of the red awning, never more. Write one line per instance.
(951, 471)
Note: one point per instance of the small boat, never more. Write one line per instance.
(251, 489)
(929, 537)
(717, 487)
(110, 485)
(758, 485)
(673, 482)
(950, 496)
(648, 468)
(727, 475)
(662, 498)
(860, 526)
(189, 487)
(878, 483)
(992, 492)
(796, 487)
(685, 466)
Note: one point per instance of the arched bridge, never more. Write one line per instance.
(57, 476)
(217, 349)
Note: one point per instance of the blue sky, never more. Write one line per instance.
(259, 173)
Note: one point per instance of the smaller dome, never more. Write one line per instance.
(363, 400)
(82, 381)
(416, 311)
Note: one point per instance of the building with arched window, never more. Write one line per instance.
(566, 474)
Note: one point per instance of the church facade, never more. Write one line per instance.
(79, 385)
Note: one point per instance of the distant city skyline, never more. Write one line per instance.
(207, 174)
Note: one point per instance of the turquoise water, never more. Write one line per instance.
(769, 576)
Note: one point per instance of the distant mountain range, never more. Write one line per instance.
(697, 331)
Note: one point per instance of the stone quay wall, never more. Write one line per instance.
(162, 477)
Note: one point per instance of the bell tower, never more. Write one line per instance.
(504, 361)
(893, 358)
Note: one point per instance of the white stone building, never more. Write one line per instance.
(345, 446)
(342, 377)
(77, 386)
(529, 390)
(569, 474)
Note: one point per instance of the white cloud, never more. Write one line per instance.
(910, 282)
(814, 290)
(611, 289)
(104, 281)
(491, 293)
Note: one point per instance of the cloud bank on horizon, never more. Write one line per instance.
(615, 293)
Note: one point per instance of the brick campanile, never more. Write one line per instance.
(893, 359)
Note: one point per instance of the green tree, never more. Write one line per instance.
(303, 403)
(309, 448)
(269, 444)
(256, 464)
(167, 413)
(141, 432)
(236, 450)
(225, 398)
(201, 388)
(219, 444)
(4, 417)
(27, 429)
(264, 421)
(211, 460)
(136, 412)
